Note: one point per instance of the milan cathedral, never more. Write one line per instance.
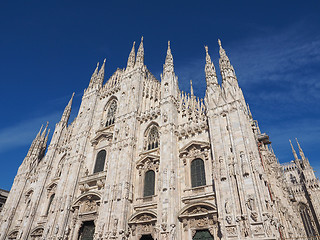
(143, 160)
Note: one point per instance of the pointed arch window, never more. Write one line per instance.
(111, 113)
(50, 203)
(149, 182)
(307, 220)
(100, 160)
(153, 138)
(198, 176)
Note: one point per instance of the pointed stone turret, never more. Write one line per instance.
(191, 88)
(94, 77)
(226, 69)
(140, 55)
(100, 77)
(294, 152)
(131, 58)
(66, 112)
(211, 75)
(44, 131)
(303, 157)
(168, 64)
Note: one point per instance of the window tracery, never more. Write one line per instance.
(111, 113)
(153, 138)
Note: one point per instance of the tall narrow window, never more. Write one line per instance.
(49, 204)
(307, 221)
(153, 138)
(198, 176)
(101, 158)
(111, 113)
(149, 180)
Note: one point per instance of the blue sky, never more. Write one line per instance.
(49, 49)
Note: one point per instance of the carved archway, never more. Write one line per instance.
(37, 233)
(199, 216)
(143, 223)
(85, 209)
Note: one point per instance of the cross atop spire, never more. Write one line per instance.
(131, 58)
(140, 54)
(211, 76)
(168, 65)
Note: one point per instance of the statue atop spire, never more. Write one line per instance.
(191, 88)
(140, 54)
(66, 112)
(101, 74)
(131, 58)
(211, 76)
(168, 65)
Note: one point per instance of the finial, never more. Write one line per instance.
(140, 54)
(104, 61)
(300, 150)
(131, 58)
(191, 88)
(168, 65)
(293, 151)
(219, 42)
(206, 48)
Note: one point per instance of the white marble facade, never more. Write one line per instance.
(144, 160)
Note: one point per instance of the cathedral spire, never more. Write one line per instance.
(226, 69)
(140, 55)
(131, 58)
(44, 131)
(168, 64)
(191, 88)
(211, 76)
(66, 112)
(100, 76)
(294, 152)
(94, 76)
(304, 159)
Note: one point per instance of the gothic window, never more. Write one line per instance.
(198, 177)
(306, 219)
(101, 158)
(149, 181)
(153, 138)
(87, 231)
(111, 113)
(50, 203)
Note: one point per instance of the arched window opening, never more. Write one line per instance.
(149, 181)
(153, 138)
(198, 176)
(87, 231)
(111, 113)
(101, 158)
(50, 203)
(307, 221)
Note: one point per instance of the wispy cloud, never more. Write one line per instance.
(23, 133)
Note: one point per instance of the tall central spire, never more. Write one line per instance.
(211, 76)
(226, 68)
(131, 58)
(140, 54)
(168, 64)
